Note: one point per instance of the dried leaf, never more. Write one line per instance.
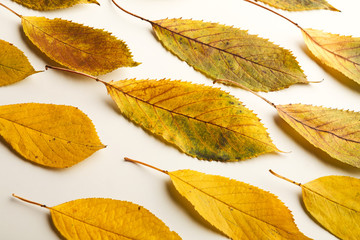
(14, 65)
(76, 46)
(339, 52)
(101, 218)
(201, 121)
(223, 52)
(299, 5)
(336, 132)
(45, 5)
(334, 202)
(50, 135)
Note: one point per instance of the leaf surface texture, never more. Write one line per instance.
(14, 65)
(223, 52)
(96, 218)
(50, 135)
(336, 132)
(239, 210)
(339, 52)
(299, 5)
(203, 122)
(334, 202)
(45, 5)
(76, 46)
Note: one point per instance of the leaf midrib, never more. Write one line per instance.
(222, 50)
(185, 116)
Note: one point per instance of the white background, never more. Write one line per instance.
(105, 174)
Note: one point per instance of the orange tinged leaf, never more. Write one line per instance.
(45, 5)
(14, 65)
(203, 122)
(102, 218)
(76, 46)
(239, 210)
(50, 135)
(339, 52)
(336, 132)
(299, 5)
(223, 52)
(334, 202)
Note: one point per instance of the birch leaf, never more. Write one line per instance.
(339, 52)
(334, 202)
(76, 46)
(14, 65)
(45, 5)
(336, 132)
(101, 218)
(50, 135)
(203, 122)
(299, 5)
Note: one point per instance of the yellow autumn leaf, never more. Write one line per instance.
(299, 5)
(202, 121)
(339, 52)
(102, 218)
(76, 46)
(14, 65)
(50, 135)
(239, 210)
(336, 132)
(223, 52)
(45, 5)
(334, 201)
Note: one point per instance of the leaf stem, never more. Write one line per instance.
(31, 202)
(230, 82)
(72, 71)
(132, 14)
(145, 164)
(11, 10)
(282, 177)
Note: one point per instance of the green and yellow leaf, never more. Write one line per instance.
(299, 5)
(336, 132)
(14, 65)
(50, 135)
(339, 52)
(239, 210)
(203, 122)
(334, 202)
(45, 5)
(223, 52)
(76, 46)
(103, 218)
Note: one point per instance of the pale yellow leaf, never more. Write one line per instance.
(44, 5)
(339, 52)
(300, 5)
(50, 135)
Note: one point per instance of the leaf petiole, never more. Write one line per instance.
(75, 72)
(145, 164)
(31, 202)
(282, 177)
(11, 10)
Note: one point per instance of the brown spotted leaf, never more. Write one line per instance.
(45, 5)
(299, 5)
(203, 122)
(50, 135)
(336, 132)
(76, 46)
(14, 65)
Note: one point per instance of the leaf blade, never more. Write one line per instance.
(300, 5)
(339, 52)
(223, 52)
(76, 46)
(46, 5)
(50, 135)
(14, 65)
(334, 202)
(336, 132)
(96, 218)
(203, 122)
(239, 210)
